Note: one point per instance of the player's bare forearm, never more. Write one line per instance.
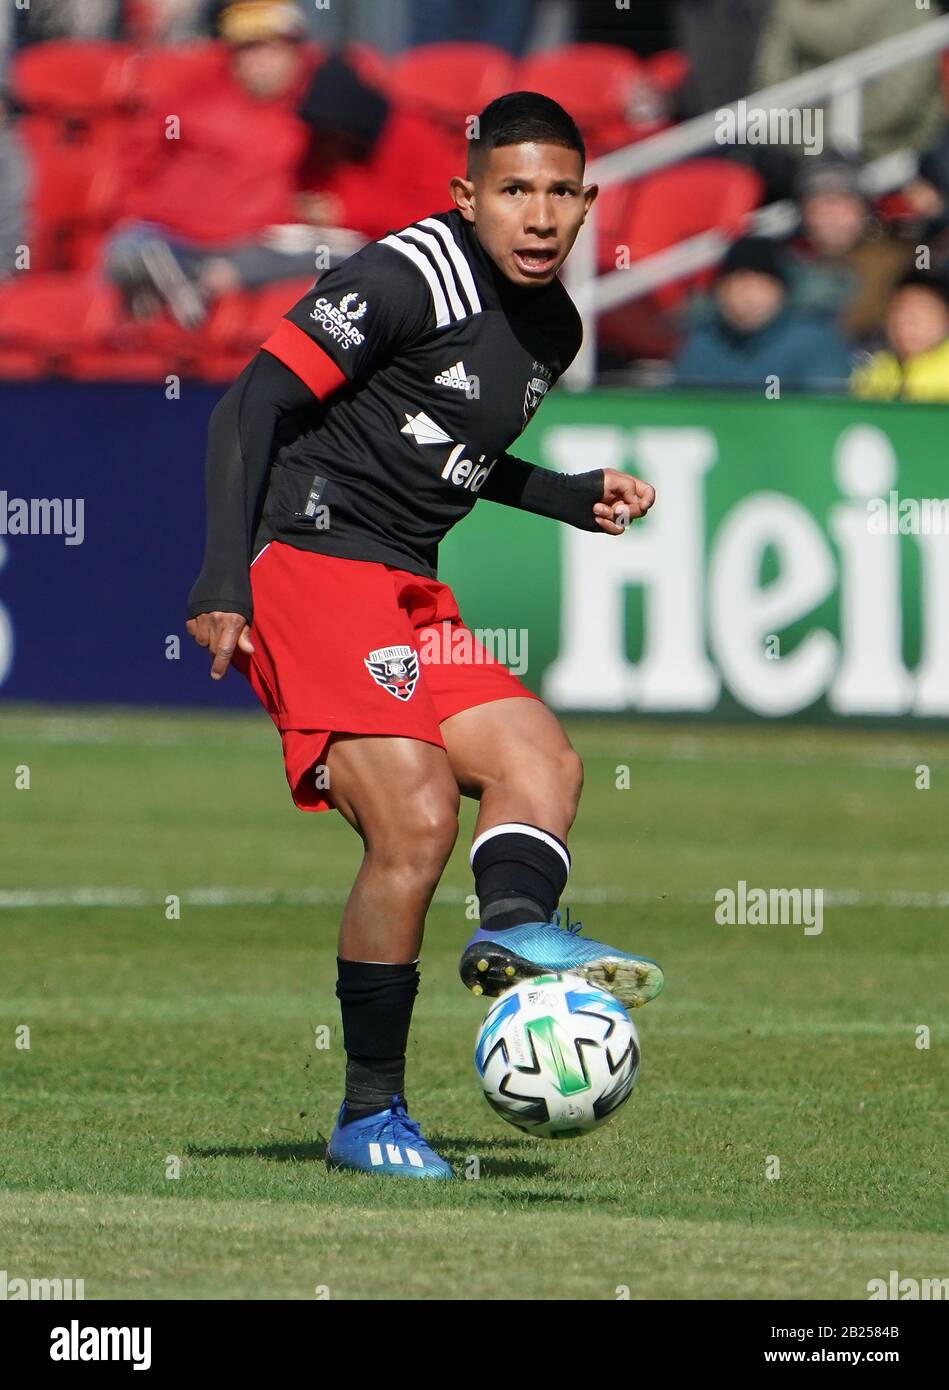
(625, 499)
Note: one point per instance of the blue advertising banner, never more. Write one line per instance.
(90, 614)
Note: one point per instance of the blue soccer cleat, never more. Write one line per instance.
(387, 1142)
(490, 964)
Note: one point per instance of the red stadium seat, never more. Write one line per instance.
(449, 81)
(269, 304)
(673, 204)
(129, 350)
(240, 323)
(259, 314)
(219, 350)
(74, 189)
(73, 325)
(668, 69)
(663, 209)
(49, 315)
(16, 364)
(226, 342)
(596, 83)
(72, 78)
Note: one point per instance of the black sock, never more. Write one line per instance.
(376, 1003)
(520, 872)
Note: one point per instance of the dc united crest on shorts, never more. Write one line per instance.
(395, 669)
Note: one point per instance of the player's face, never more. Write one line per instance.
(527, 203)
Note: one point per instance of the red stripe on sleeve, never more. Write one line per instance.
(291, 346)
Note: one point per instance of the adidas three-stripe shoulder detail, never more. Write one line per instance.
(432, 249)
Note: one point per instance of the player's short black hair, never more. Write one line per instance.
(522, 118)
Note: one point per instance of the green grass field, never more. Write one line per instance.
(194, 1038)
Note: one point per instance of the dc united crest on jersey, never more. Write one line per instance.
(395, 669)
(537, 388)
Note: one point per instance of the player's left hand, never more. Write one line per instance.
(624, 499)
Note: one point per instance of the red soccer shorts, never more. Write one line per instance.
(357, 647)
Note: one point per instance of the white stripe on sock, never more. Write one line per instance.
(517, 828)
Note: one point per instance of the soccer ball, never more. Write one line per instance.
(556, 1056)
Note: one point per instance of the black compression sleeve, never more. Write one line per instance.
(566, 497)
(240, 445)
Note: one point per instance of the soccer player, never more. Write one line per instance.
(375, 416)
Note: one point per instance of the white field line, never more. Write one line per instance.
(11, 898)
(687, 749)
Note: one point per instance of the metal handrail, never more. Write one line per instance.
(593, 293)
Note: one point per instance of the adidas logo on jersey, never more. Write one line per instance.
(458, 379)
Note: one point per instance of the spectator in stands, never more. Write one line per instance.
(206, 204)
(166, 21)
(371, 166)
(927, 198)
(25, 22)
(720, 39)
(844, 262)
(746, 334)
(14, 181)
(902, 109)
(39, 20)
(503, 23)
(645, 26)
(915, 366)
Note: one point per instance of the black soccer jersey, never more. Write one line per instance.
(445, 361)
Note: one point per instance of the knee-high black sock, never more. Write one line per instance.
(520, 872)
(376, 1002)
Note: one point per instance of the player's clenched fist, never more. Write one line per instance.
(624, 499)
(223, 633)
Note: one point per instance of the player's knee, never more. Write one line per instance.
(423, 831)
(569, 775)
(433, 821)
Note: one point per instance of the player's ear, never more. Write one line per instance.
(462, 192)
(590, 192)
